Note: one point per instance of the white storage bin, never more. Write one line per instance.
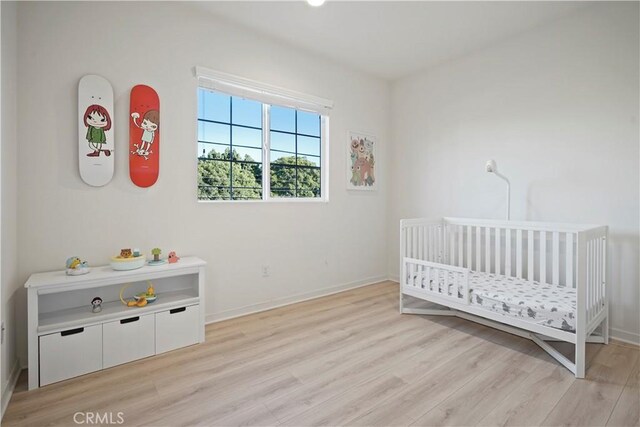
(128, 339)
(177, 328)
(70, 353)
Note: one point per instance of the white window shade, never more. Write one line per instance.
(250, 89)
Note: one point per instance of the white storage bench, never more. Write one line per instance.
(66, 339)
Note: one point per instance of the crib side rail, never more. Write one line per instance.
(592, 295)
(422, 239)
(535, 255)
(440, 281)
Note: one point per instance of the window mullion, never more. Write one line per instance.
(266, 149)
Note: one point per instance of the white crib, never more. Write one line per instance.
(542, 281)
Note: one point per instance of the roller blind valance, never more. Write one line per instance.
(265, 93)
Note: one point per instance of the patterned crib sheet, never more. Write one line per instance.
(543, 304)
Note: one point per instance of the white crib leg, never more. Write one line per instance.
(401, 302)
(580, 356)
(605, 326)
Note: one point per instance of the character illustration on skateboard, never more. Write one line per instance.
(97, 121)
(149, 125)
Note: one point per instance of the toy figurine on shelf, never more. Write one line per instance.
(96, 305)
(141, 299)
(150, 295)
(76, 267)
(156, 257)
(128, 260)
(173, 258)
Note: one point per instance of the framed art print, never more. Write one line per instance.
(361, 161)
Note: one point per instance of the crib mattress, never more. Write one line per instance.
(542, 304)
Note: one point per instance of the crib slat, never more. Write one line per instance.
(497, 250)
(599, 273)
(594, 285)
(452, 245)
(436, 244)
(404, 242)
(478, 249)
(569, 260)
(445, 281)
(588, 276)
(427, 279)
(409, 244)
(425, 250)
(519, 253)
(604, 272)
(591, 282)
(530, 265)
(409, 234)
(414, 242)
(412, 275)
(543, 257)
(460, 244)
(441, 249)
(469, 247)
(507, 252)
(556, 258)
(487, 249)
(455, 285)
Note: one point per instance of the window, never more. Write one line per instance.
(252, 150)
(230, 144)
(295, 153)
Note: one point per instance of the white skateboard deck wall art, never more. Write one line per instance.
(95, 130)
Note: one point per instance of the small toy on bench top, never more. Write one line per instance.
(128, 260)
(141, 299)
(173, 258)
(96, 305)
(156, 257)
(76, 267)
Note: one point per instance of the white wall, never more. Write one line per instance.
(557, 108)
(311, 248)
(9, 249)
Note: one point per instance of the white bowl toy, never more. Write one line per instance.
(122, 264)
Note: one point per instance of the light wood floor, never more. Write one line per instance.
(349, 359)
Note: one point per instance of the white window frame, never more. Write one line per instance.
(271, 96)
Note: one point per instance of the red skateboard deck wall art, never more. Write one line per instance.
(144, 136)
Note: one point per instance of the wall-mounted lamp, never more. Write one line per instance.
(315, 3)
(491, 167)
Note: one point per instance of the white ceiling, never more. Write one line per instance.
(390, 39)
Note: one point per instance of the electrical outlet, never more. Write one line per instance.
(266, 271)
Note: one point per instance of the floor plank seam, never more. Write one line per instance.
(619, 395)
(462, 386)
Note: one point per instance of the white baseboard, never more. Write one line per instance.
(625, 336)
(279, 302)
(7, 392)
